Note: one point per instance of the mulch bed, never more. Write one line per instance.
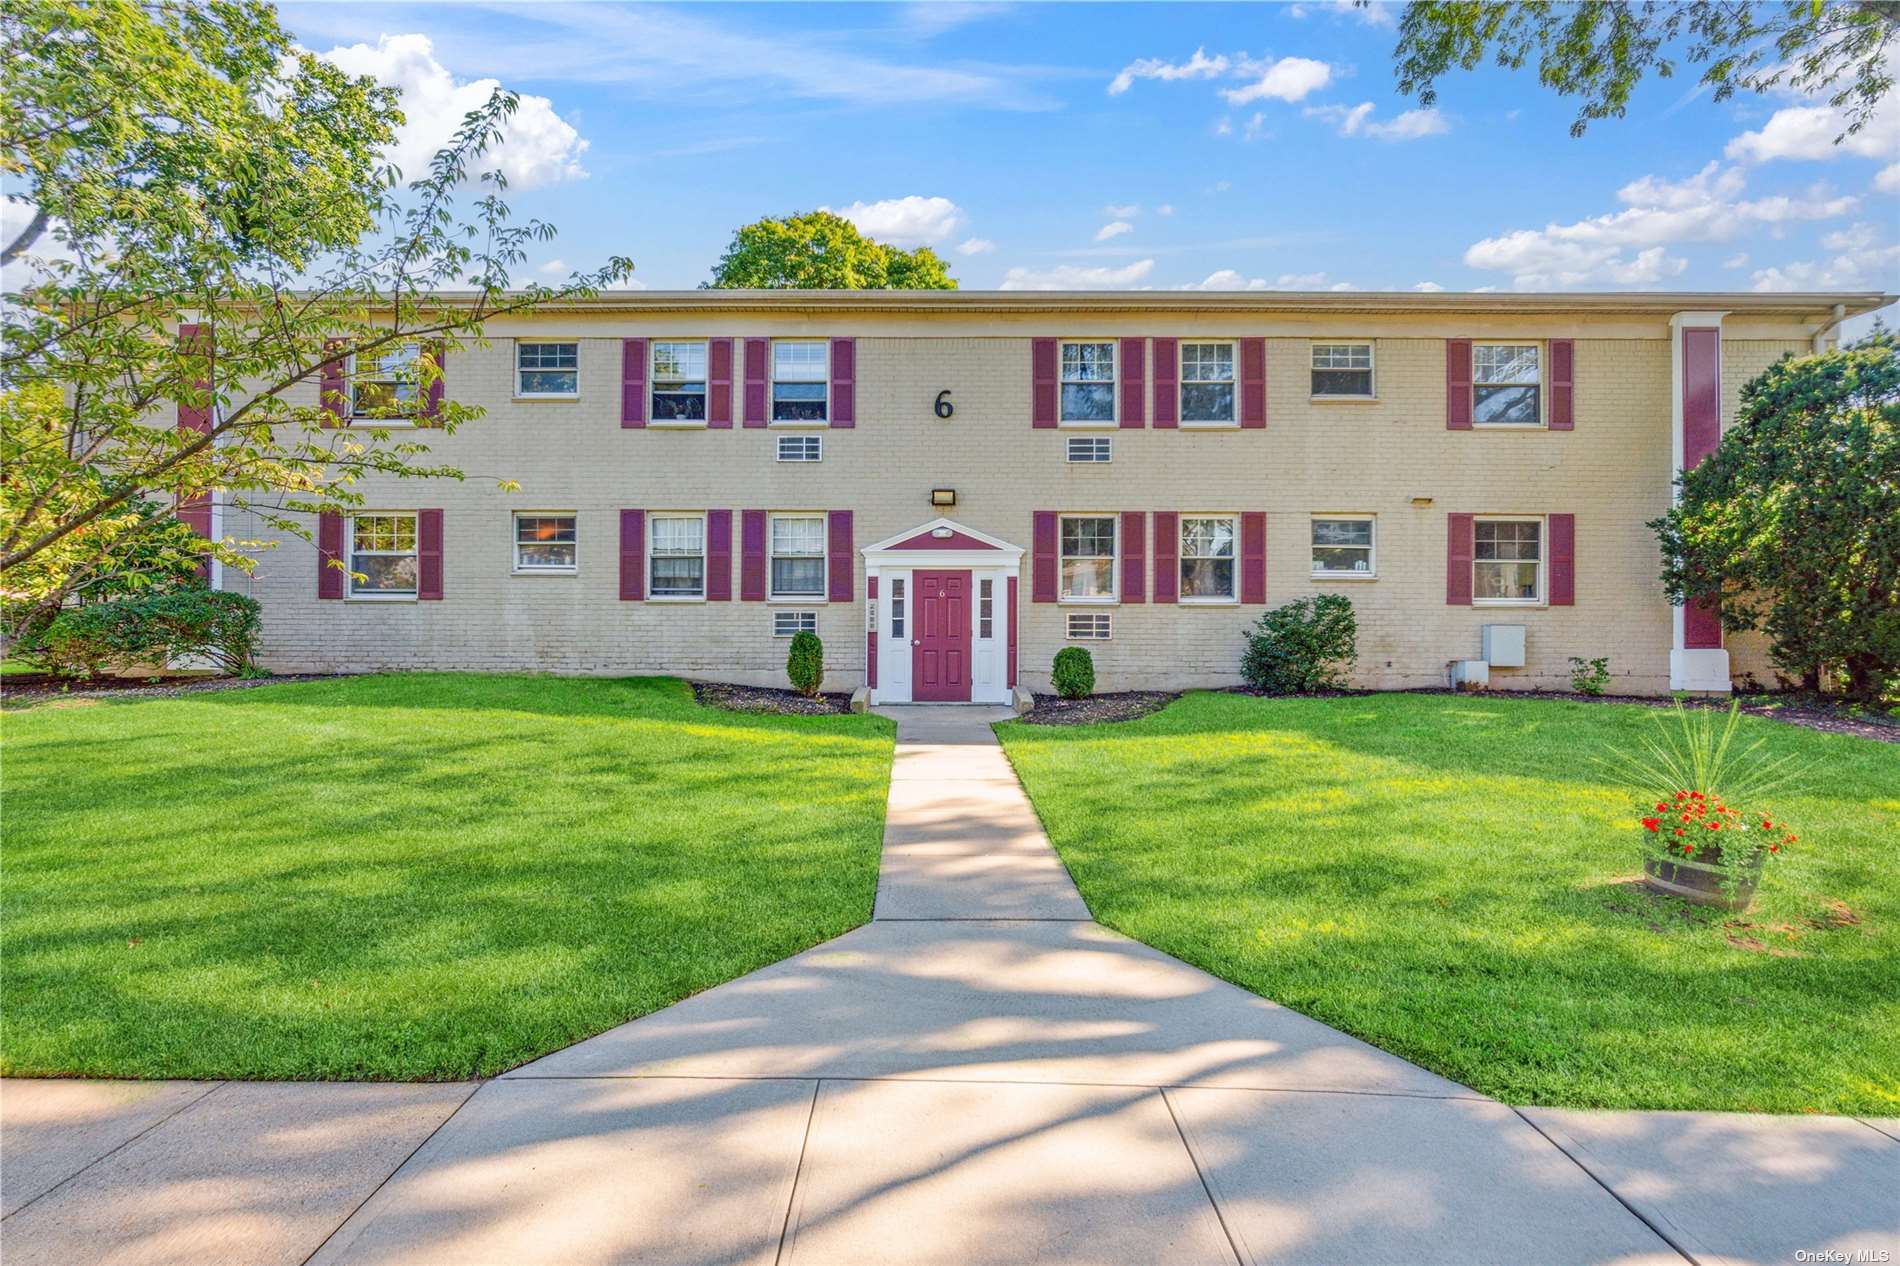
(1126, 706)
(1813, 712)
(25, 690)
(715, 694)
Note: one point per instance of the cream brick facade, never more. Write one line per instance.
(1392, 458)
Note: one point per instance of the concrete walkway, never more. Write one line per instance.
(980, 1075)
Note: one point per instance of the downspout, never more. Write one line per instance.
(1821, 335)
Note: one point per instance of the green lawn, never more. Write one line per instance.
(413, 876)
(1450, 878)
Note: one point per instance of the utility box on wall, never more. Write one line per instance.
(1504, 645)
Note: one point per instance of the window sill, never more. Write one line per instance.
(1114, 601)
(1509, 426)
(1108, 425)
(382, 424)
(1342, 399)
(676, 426)
(1208, 426)
(1208, 602)
(809, 424)
(568, 572)
(374, 598)
(1510, 604)
(780, 600)
(676, 597)
(1345, 575)
(546, 397)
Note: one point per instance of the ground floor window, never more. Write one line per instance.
(544, 542)
(1207, 558)
(383, 555)
(1088, 558)
(1507, 562)
(1343, 546)
(678, 556)
(798, 556)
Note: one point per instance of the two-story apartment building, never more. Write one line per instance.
(948, 487)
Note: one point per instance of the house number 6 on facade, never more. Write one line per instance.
(944, 407)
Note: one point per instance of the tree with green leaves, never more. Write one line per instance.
(1599, 50)
(1792, 525)
(209, 227)
(822, 251)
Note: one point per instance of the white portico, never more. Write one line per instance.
(940, 616)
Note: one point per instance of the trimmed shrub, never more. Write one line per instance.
(1074, 673)
(154, 629)
(805, 664)
(1308, 644)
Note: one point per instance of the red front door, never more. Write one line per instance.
(940, 654)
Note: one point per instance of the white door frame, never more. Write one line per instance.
(985, 557)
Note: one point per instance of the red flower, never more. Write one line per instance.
(1651, 824)
(1661, 805)
(1774, 848)
(1687, 849)
(1681, 796)
(1678, 830)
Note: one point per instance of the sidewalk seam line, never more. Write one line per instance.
(787, 1236)
(1472, 1097)
(191, 1103)
(1615, 1195)
(1236, 1242)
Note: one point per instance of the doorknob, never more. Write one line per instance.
(916, 642)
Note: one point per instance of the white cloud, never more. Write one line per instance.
(1371, 14)
(1199, 66)
(1862, 258)
(553, 268)
(1737, 260)
(1289, 79)
(538, 146)
(909, 221)
(1116, 229)
(1226, 279)
(1126, 211)
(1223, 127)
(1358, 121)
(976, 246)
(1428, 287)
(1077, 277)
(1888, 180)
(1808, 132)
(1256, 128)
(1308, 281)
(1167, 208)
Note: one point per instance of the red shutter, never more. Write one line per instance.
(329, 550)
(1012, 632)
(1701, 393)
(870, 635)
(1563, 560)
(1042, 373)
(438, 354)
(842, 565)
(1701, 628)
(719, 556)
(1563, 373)
(429, 555)
(633, 555)
(719, 384)
(1134, 555)
(844, 382)
(1458, 548)
(1043, 545)
(752, 556)
(1167, 383)
(1167, 556)
(1457, 384)
(335, 388)
(1253, 556)
(1253, 384)
(194, 341)
(633, 385)
(1134, 382)
(758, 352)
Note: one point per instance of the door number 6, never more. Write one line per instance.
(944, 407)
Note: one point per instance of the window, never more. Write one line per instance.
(1342, 371)
(386, 386)
(547, 369)
(1089, 626)
(1207, 383)
(1088, 382)
(799, 373)
(1088, 559)
(1343, 546)
(679, 382)
(544, 542)
(383, 550)
(1207, 559)
(897, 609)
(678, 556)
(985, 608)
(1508, 562)
(1505, 381)
(1091, 448)
(798, 556)
(800, 448)
(786, 623)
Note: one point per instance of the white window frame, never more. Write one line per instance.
(1543, 560)
(1096, 443)
(824, 556)
(349, 575)
(1114, 593)
(898, 607)
(653, 385)
(548, 395)
(414, 352)
(789, 624)
(1100, 620)
(1372, 550)
(704, 555)
(1372, 370)
(771, 383)
(1542, 384)
(542, 569)
(1181, 557)
(1114, 383)
(986, 608)
(817, 443)
(1181, 385)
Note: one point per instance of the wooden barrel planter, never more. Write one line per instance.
(1701, 883)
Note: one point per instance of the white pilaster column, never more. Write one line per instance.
(1697, 659)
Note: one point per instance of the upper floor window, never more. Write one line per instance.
(1506, 381)
(799, 381)
(384, 386)
(1342, 546)
(677, 556)
(1088, 382)
(1507, 563)
(1207, 383)
(1088, 558)
(1342, 371)
(547, 369)
(798, 556)
(679, 382)
(544, 542)
(1207, 558)
(383, 556)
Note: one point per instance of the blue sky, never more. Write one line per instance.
(1125, 146)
